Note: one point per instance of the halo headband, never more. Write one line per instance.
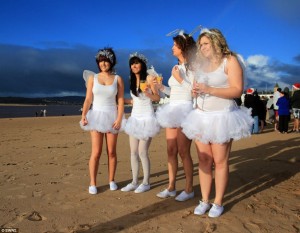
(179, 32)
(140, 56)
(105, 53)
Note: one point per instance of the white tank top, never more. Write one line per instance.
(181, 92)
(104, 95)
(142, 105)
(217, 79)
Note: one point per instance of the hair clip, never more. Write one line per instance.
(138, 55)
(105, 53)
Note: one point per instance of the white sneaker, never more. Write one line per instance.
(202, 208)
(183, 196)
(92, 189)
(215, 211)
(142, 188)
(166, 193)
(129, 187)
(113, 186)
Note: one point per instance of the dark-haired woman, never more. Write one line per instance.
(171, 115)
(105, 118)
(142, 125)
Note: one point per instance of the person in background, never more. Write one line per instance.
(276, 96)
(283, 104)
(251, 101)
(295, 103)
(171, 115)
(217, 120)
(262, 112)
(142, 125)
(270, 107)
(105, 118)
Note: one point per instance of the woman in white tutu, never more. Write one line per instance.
(217, 120)
(105, 118)
(171, 115)
(142, 125)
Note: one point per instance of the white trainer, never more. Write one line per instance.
(113, 186)
(142, 188)
(215, 211)
(92, 189)
(183, 196)
(202, 208)
(129, 187)
(166, 193)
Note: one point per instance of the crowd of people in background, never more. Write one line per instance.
(279, 109)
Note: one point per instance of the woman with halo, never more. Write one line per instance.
(171, 115)
(142, 125)
(217, 120)
(105, 118)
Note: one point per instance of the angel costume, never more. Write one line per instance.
(217, 120)
(142, 123)
(104, 110)
(172, 114)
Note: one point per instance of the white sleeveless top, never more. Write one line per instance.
(181, 92)
(142, 105)
(104, 95)
(217, 79)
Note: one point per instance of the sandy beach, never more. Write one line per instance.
(44, 182)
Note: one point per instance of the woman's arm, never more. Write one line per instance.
(120, 98)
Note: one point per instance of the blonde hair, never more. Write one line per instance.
(218, 43)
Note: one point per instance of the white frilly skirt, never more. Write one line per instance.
(102, 120)
(219, 126)
(171, 115)
(142, 127)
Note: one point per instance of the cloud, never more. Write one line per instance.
(35, 72)
(263, 73)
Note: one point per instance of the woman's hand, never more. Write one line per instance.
(117, 125)
(84, 121)
(202, 88)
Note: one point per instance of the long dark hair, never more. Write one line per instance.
(143, 74)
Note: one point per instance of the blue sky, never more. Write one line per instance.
(46, 44)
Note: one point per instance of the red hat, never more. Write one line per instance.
(250, 91)
(296, 86)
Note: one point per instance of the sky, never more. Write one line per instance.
(46, 44)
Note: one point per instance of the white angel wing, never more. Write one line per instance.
(86, 74)
(244, 67)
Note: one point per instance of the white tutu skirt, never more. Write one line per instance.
(171, 115)
(142, 127)
(218, 127)
(102, 120)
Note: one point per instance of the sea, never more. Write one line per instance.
(13, 111)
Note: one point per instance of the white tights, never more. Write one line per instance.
(139, 148)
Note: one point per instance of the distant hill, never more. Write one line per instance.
(76, 100)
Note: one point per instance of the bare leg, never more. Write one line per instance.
(111, 143)
(220, 156)
(97, 141)
(184, 146)
(205, 168)
(171, 136)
